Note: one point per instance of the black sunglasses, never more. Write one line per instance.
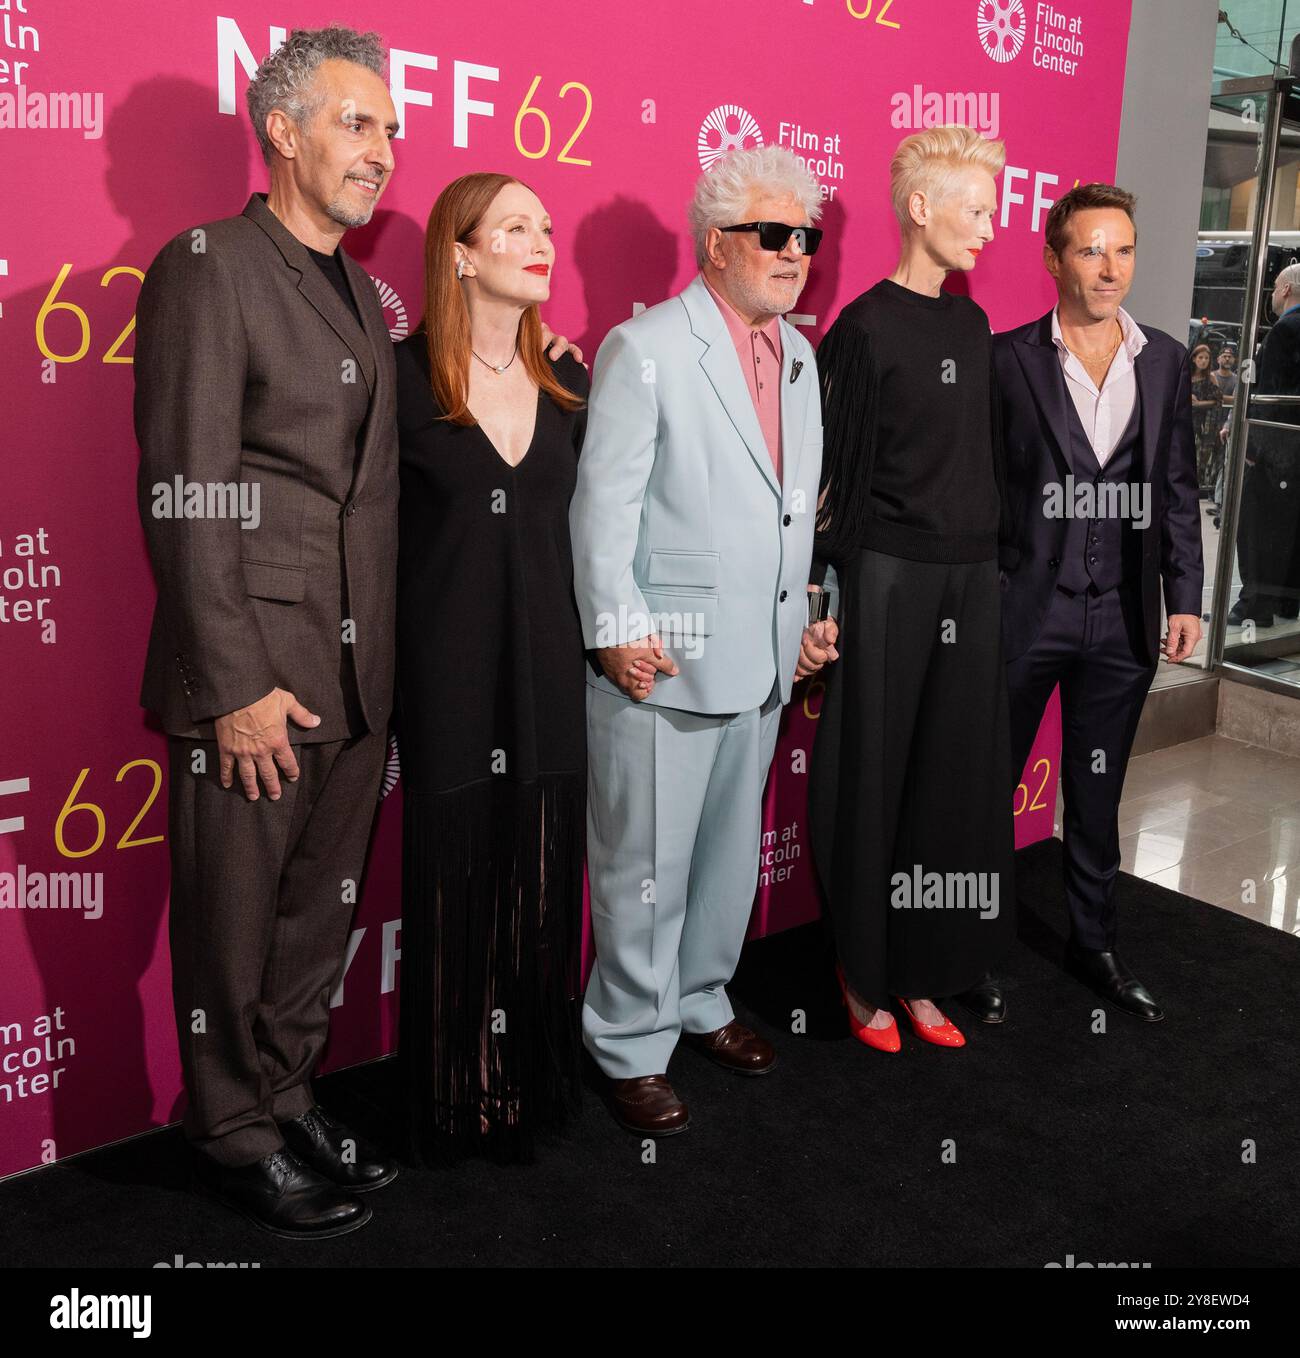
(776, 235)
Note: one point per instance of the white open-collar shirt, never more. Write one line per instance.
(1105, 412)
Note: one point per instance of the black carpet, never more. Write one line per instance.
(1125, 1146)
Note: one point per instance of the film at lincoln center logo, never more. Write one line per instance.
(1002, 27)
(391, 302)
(728, 128)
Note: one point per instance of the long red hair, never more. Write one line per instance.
(456, 216)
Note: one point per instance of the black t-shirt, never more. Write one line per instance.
(332, 267)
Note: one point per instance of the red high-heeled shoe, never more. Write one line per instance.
(882, 1039)
(945, 1034)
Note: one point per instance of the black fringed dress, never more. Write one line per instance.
(491, 732)
(910, 793)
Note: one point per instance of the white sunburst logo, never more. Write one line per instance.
(728, 128)
(1002, 27)
(399, 327)
(392, 768)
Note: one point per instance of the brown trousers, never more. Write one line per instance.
(259, 925)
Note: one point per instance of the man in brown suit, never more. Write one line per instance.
(265, 414)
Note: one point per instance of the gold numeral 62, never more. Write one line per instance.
(1035, 805)
(527, 110)
(50, 304)
(96, 813)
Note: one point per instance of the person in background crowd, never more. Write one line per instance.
(1225, 378)
(1225, 373)
(1090, 398)
(490, 715)
(912, 766)
(1268, 546)
(1207, 402)
(692, 533)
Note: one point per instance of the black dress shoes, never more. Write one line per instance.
(1105, 974)
(1239, 613)
(336, 1152)
(282, 1195)
(984, 1000)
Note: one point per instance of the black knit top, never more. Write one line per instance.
(908, 408)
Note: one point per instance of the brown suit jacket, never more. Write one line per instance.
(251, 370)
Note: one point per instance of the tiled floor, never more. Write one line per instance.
(1218, 820)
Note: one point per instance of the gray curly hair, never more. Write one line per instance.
(284, 79)
(723, 190)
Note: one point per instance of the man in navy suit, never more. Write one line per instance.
(1101, 508)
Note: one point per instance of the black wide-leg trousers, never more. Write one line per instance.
(911, 774)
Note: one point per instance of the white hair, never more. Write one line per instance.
(723, 192)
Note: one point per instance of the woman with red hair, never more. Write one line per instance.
(490, 687)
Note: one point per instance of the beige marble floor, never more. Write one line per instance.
(1218, 820)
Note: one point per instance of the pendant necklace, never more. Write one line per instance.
(497, 368)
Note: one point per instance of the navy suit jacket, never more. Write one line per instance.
(1031, 428)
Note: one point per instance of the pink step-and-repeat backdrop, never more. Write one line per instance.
(121, 125)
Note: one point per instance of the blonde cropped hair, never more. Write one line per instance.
(927, 162)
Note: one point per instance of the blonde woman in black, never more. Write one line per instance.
(910, 823)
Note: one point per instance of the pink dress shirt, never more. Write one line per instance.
(759, 351)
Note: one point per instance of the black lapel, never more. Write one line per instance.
(1041, 365)
(1147, 380)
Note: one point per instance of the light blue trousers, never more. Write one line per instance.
(674, 810)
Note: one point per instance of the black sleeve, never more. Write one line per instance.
(576, 378)
(1181, 563)
(850, 392)
(416, 404)
(1008, 552)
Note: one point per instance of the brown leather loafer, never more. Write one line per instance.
(735, 1047)
(647, 1106)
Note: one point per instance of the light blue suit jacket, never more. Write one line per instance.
(679, 525)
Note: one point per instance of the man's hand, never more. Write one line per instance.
(556, 345)
(817, 647)
(257, 739)
(633, 666)
(1181, 638)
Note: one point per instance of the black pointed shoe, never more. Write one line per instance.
(282, 1195)
(984, 1000)
(1104, 973)
(336, 1152)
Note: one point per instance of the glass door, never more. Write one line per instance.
(1245, 342)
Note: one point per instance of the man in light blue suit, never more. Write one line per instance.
(692, 527)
